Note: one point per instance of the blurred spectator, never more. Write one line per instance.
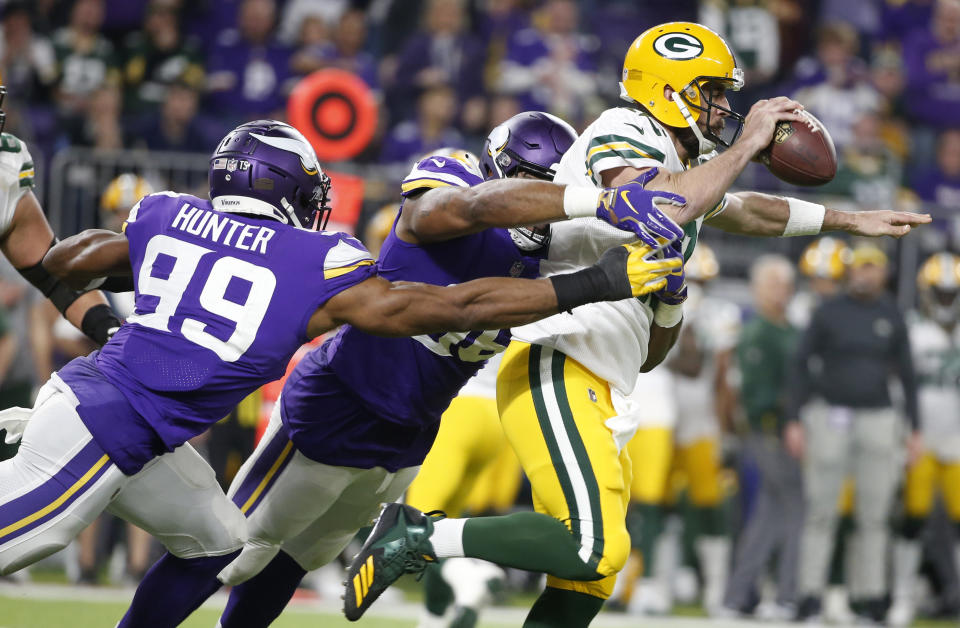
(932, 58)
(751, 30)
(443, 52)
(550, 67)
(101, 127)
(177, 126)
(296, 12)
(899, 18)
(27, 61)
(941, 183)
(764, 353)
(432, 129)
(85, 59)
(854, 342)
(158, 56)
(834, 85)
(248, 69)
(343, 51)
(869, 172)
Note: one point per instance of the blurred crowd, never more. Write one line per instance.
(883, 75)
(764, 455)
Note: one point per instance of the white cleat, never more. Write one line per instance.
(901, 613)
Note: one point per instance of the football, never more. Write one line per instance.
(801, 153)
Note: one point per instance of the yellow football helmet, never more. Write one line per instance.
(826, 258)
(702, 265)
(683, 56)
(124, 192)
(939, 286)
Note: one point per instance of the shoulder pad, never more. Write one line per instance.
(150, 200)
(345, 254)
(624, 137)
(440, 171)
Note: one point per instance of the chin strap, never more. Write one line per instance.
(706, 145)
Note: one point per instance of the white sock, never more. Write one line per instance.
(447, 538)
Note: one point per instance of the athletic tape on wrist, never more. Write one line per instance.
(805, 218)
(666, 315)
(580, 201)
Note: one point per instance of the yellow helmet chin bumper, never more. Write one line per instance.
(679, 55)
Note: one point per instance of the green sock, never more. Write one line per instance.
(527, 540)
(437, 594)
(559, 608)
(645, 522)
(710, 519)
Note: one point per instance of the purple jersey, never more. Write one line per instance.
(222, 302)
(390, 392)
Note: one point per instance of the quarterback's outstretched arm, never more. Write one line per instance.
(25, 243)
(753, 213)
(380, 307)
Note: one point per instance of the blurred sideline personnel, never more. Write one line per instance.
(25, 236)
(562, 387)
(227, 290)
(764, 354)
(358, 415)
(470, 440)
(854, 341)
(824, 263)
(935, 340)
(691, 451)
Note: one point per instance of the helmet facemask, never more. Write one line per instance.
(686, 99)
(320, 199)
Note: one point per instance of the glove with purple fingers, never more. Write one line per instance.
(630, 207)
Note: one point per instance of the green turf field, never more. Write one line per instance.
(17, 613)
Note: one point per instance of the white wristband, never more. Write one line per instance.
(805, 218)
(666, 315)
(581, 201)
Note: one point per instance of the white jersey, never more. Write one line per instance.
(610, 339)
(484, 383)
(716, 325)
(16, 176)
(936, 357)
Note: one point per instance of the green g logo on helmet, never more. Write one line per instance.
(678, 46)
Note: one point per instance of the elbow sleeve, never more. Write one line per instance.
(58, 292)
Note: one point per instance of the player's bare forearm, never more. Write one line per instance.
(385, 308)
(703, 186)
(756, 214)
(753, 214)
(661, 341)
(448, 212)
(29, 235)
(873, 223)
(89, 255)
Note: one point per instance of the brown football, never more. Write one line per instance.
(801, 153)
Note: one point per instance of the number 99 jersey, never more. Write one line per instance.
(222, 302)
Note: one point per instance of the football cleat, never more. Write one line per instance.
(398, 544)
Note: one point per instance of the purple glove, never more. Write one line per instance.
(632, 208)
(675, 292)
